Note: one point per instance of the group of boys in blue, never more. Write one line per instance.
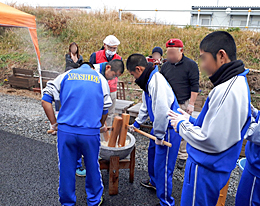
(210, 161)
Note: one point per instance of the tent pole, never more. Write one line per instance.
(40, 76)
(38, 61)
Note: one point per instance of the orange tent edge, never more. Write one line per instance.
(15, 18)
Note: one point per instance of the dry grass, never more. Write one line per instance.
(57, 29)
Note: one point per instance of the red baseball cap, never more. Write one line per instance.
(174, 43)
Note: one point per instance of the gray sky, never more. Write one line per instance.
(176, 18)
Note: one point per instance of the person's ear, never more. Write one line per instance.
(108, 67)
(138, 69)
(223, 57)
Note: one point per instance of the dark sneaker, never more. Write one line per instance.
(147, 184)
(181, 164)
(81, 172)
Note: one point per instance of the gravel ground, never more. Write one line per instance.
(25, 116)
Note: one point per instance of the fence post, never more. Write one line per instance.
(120, 13)
(198, 19)
(155, 16)
(248, 18)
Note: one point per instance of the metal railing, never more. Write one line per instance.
(199, 12)
(64, 7)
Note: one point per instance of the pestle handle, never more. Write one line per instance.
(116, 127)
(123, 132)
(151, 136)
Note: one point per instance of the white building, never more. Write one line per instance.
(225, 17)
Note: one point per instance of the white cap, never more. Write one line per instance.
(111, 40)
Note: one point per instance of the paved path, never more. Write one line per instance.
(29, 177)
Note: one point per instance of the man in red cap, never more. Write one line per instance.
(182, 74)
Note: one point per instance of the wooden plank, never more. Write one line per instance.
(21, 78)
(123, 164)
(113, 175)
(132, 166)
(103, 164)
(21, 81)
(23, 72)
(46, 74)
(223, 195)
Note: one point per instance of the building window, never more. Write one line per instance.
(255, 23)
(243, 23)
(205, 22)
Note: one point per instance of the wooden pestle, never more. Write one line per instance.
(124, 129)
(116, 127)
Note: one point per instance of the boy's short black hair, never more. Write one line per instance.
(135, 60)
(117, 65)
(217, 40)
(88, 63)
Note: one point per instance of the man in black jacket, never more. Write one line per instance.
(182, 74)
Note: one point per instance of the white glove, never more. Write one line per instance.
(103, 129)
(131, 128)
(254, 111)
(158, 61)
(176, 118)
(190, 109)
(158, 141)
(54, 128)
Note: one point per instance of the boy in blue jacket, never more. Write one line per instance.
(215, 137)
(109, 70)
(85, 98)
(158, 98)
(248, 192)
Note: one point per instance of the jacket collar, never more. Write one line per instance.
(143, 80)
(227, 71)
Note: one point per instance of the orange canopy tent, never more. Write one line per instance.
(12, 17)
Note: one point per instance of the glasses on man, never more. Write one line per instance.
(112, 48)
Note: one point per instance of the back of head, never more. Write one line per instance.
(117, 65)
(88, 63)
(135, 60)
(218, 40)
